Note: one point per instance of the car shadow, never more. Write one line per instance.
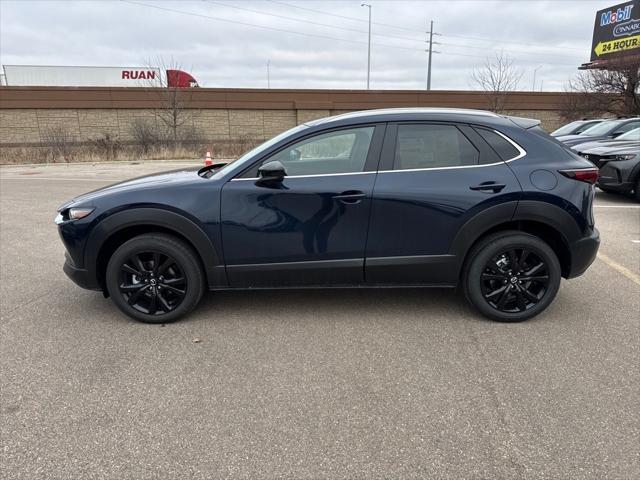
(334, 303)
(613, 198)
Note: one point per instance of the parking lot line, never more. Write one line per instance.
(620, 268)
(66, 179)
(616, 206)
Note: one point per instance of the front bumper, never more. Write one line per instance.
(618, 175)
(583, 253)
(81, 277)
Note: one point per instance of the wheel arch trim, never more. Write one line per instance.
(165, 219)
(506, 214)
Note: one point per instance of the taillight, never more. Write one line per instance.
(589, 175)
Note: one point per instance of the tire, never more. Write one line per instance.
(486, 279)
(146, 274)
(636, 191)
(607, 190)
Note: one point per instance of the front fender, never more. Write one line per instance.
(165, 219)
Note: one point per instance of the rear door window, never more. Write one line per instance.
(432, 146)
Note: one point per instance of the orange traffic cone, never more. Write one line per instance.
(207, 160)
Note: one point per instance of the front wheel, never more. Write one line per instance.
(155, 278)
(511, 276)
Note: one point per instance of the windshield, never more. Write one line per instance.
(601, 128)
(631, 135)
(237, 164)
(566, 129)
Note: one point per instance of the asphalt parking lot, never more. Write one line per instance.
(310, 384)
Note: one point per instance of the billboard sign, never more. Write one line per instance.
(616, 33)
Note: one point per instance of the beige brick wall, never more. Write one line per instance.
(19, 126)
(51, 120)
(307, 115)
(550, 120)
(31, 126)
(277, 121)
(214, 124)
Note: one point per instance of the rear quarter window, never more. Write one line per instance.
(557, 144)
(504, 148)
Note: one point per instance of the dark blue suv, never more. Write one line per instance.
(387, 198)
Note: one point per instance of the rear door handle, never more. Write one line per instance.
(350, 196)
(489, 187)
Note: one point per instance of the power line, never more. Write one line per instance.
(312, 22)
(294, 32)
(520, 52)
(345, 16)
(377, 34)
(264, 27)
(482, 39)
(497, 40)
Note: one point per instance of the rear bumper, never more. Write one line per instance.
(583, 253)
(81, 277)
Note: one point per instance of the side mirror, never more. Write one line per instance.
(272, 172)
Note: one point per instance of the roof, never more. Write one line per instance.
(404, 114)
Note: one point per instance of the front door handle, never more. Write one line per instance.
(350, 196)
(489, 187)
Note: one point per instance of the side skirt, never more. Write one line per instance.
(336, 287)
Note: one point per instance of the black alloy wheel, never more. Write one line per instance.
(155, 278)
(152, 282)
(515, 280)
(511, 276)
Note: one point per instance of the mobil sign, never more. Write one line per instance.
(616, 32)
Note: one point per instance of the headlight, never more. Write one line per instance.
(74, 213)
(627, 156)
(78, 213)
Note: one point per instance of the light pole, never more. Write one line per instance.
(430, 53)
(369, 46)
(268, 74)
(535, 70)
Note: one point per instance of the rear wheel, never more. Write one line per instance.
(155, 278)
(511, 276)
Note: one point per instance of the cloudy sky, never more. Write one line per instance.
(309, 44)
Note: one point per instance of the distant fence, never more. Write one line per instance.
(27, 114)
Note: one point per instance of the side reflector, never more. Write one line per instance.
(589, 175)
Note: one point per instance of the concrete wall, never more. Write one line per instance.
(27, 116)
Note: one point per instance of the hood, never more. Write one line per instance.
(153, 181)
(607, 143)
(627, 147)
(571, 140)
(562, 138)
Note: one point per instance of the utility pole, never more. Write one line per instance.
(268, 74)
(369, 47)
(430, 53)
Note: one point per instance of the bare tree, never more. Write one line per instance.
(498, 77)
(172, 102)
(145, 134)
(614, 91)
(59, 141)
